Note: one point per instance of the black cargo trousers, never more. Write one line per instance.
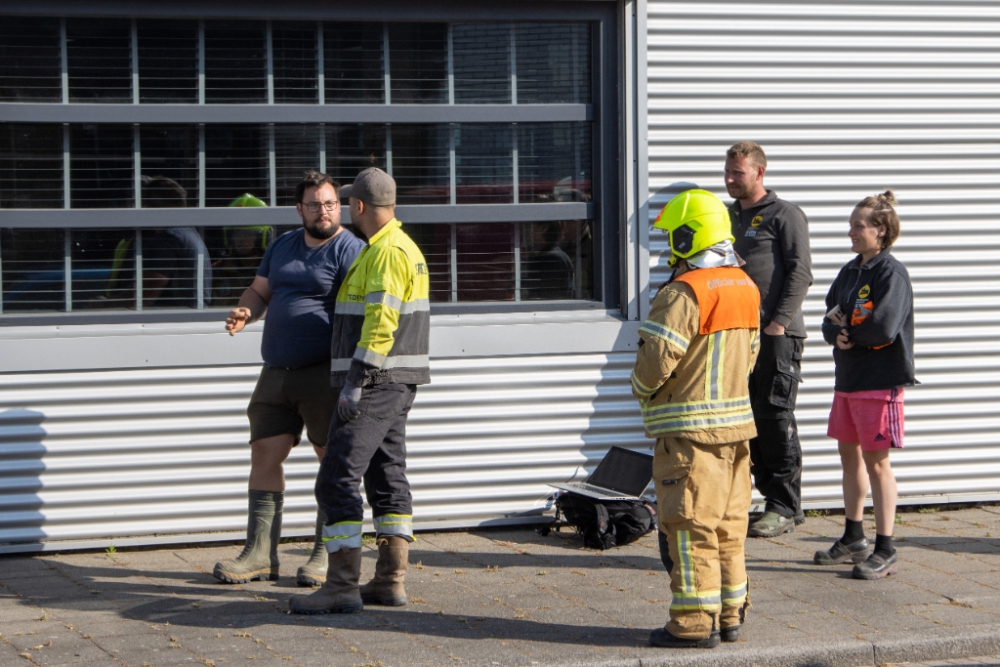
(775, 454)
(371, 447)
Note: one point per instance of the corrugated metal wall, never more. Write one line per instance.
(849, 99)
(88, 458)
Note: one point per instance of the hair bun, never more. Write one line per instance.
(888, 197)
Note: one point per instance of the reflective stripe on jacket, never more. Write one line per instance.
(381, 325)
(691, 369)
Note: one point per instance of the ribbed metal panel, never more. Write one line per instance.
(849, 99)
(158, 454)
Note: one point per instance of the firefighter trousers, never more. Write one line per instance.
(703, 496)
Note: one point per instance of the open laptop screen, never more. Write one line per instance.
(624, 471)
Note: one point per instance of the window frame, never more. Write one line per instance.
(604, 112)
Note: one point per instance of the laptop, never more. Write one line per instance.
(621, 475)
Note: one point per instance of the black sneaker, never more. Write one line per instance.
(730, 634)
(839, 553)
(662, 638)
(876, 567)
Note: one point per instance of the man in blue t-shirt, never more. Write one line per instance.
(297, 285)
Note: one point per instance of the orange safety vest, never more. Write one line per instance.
(727, 298)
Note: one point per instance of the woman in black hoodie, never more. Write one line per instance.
(870, 324)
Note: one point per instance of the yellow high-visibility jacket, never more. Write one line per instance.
(699, 344)
(381, 324)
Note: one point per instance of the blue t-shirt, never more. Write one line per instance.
(304, 282)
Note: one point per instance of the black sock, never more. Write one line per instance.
(883, 545)
(854, 531)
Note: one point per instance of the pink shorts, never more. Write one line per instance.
(872, 418)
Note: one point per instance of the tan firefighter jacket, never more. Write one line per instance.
(697, 349)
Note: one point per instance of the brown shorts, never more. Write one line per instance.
(287, 398)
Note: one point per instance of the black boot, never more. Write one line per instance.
(662, 638)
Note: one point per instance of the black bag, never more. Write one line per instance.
(604, 523)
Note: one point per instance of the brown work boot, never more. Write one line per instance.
(259, 559)
(313, 573)
(339, 593)
(386, 587)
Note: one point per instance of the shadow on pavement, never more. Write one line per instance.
(955, 544)
(205, 603)
(576, 559)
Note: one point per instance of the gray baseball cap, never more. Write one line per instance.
(372, 186)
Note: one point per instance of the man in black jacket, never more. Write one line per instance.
(772, 236)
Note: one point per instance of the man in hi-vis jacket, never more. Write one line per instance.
(381, 330)
(697, 348)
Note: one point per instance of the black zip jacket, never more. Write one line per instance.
(772, 237)
(878, 301)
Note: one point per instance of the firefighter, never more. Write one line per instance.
(696, 350)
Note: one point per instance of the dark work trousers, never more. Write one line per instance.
(371, 447)
(775, 454)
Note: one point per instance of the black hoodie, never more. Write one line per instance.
(772, 237)
(878, 301)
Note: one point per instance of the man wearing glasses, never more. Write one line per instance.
(296, 285)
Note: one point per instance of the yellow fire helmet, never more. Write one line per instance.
(247, 200)
(264, 232)
(695, 220)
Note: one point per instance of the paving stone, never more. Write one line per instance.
(117, 628)
(17, 610)
(160, 658)
(134, 642)
(955, 615)
(33, 628)
(61, 649)
(821, 624)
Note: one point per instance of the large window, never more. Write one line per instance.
(133, 144)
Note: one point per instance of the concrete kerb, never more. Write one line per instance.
(875, 650)
(938, 644)
(805, 653)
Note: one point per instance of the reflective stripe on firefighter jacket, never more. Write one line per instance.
(697, 349)
(381, 325)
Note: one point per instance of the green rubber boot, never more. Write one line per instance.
(313, 573)
(259, 559)
(771, 524)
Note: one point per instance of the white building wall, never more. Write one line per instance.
(157, 452)
(849, 100)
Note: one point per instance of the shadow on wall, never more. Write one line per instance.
(660, 198)
(615, 418)
(21, 465)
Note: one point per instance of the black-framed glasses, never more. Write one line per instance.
(313, 206)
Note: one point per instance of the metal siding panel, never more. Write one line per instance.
(153, 454)
(849, 100)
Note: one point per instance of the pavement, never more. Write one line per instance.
(511, 597)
